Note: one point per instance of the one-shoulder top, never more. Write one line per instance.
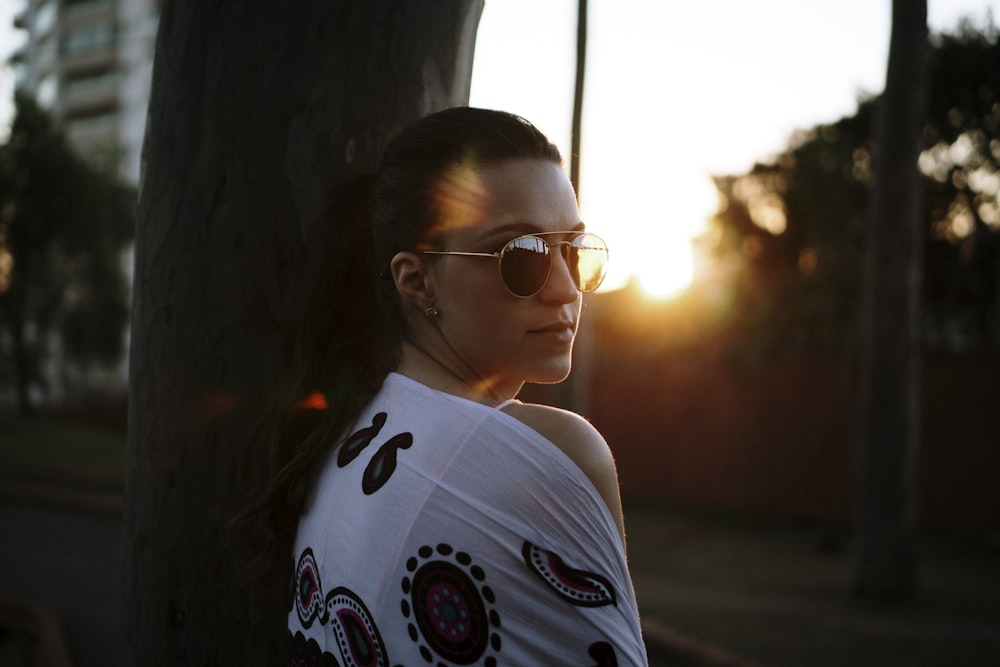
(446, 532)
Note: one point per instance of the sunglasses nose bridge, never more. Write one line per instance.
(560, 273)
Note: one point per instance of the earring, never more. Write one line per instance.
(432, 313)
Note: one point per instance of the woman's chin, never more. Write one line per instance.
(552, 373)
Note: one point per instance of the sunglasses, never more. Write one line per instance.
(525, 262)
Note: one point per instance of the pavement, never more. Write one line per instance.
(60, 585)
(60, 578)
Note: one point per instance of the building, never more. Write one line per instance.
(89, 63)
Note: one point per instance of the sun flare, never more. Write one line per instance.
(662, 270)
(667, 276)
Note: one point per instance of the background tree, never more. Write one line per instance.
(890, 349)
(258, 114)
(962, 165)
(63, 229)
(792, 231)
(794, 234)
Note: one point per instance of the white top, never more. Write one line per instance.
(447, 532)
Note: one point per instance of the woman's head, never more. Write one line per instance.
(452, 192)
(420, 185)
(485, 332)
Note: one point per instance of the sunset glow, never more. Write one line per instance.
(668, 278)
(677, 93)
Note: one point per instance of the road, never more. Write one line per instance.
(69, 560)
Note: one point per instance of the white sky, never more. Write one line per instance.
(675, 91)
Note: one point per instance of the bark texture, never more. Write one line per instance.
(258, 112)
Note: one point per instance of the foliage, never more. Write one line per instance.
(790, 233)
(63, 229)
(962, 163)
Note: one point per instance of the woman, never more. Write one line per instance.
(454, 525)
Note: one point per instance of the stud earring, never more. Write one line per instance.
(432, 313)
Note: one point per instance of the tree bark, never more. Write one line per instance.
(889, 397)
(258, 113)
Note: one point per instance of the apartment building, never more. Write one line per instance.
(89, 62)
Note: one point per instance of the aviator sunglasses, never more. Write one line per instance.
(525, 262)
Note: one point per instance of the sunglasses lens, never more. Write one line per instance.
(588, 261)
(524, 265)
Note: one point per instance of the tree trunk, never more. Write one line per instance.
(889, 409)
(258, 112)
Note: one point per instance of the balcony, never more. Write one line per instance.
(88, 11)
(89, 46)
(93, 131)
(90, 92)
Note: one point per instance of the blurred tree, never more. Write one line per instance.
(259, 113)
(961, 160)
(63, 229)
(791, 233)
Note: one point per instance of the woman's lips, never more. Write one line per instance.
(559, 332)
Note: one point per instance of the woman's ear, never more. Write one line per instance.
(413, 280)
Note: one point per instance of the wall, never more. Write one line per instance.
(774, 438)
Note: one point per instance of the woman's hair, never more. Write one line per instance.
(351, 335)
(409, 180)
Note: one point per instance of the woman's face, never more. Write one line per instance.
(506, 340)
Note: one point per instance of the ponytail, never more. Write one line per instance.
(343, 353)
(349, 338)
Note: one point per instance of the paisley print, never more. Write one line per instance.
(308, 591)
(307, 653)
(579, 587)
(354, 630)
(383, 464)
(356, 443)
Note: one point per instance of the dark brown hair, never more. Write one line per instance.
(352, 332)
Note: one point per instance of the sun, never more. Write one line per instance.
(662, 269)
(669, 274)
(661, 283)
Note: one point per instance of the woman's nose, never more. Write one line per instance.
(561, 285)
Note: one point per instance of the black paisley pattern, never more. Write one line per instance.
(383, 464)
(579, 587)
(307, 653)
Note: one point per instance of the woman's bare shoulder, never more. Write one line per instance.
(563, 427)
(581, 442)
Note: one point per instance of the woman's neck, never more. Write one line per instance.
(422, 366)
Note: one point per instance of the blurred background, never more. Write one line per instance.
(725, 155)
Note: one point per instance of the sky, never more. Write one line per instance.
(678, 91)
(675, 92)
